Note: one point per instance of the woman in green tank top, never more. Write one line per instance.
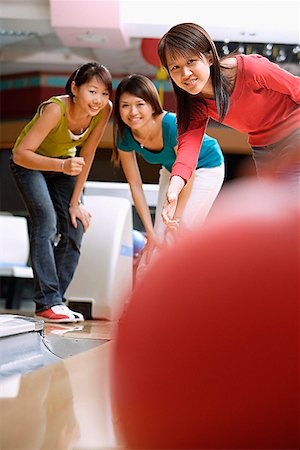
(50, 176)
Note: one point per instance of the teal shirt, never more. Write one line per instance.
(210, 155)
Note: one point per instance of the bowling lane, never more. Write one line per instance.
(89, 329)
(60, 401)
(65, 405)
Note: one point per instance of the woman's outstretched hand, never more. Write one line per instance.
(169, 209)
(152, 244)
(168, 212)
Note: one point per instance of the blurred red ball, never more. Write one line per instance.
(206, 353)
(149, 48)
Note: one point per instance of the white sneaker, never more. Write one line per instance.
(59, 313)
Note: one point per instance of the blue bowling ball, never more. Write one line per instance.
(139, 242)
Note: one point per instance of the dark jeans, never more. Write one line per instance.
(54, 242)
(281, 158)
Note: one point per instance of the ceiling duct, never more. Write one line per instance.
(89, 23)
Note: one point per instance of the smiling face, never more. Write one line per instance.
(134, 111)
(91, 96)
(191, 73)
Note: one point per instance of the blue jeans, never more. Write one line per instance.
(54, 242)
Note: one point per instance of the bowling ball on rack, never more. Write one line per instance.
(139, 242)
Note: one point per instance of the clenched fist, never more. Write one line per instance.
(73, 166)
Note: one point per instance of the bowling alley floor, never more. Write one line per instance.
(64, 403)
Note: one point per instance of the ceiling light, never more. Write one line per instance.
(13, 33)
(268, 50)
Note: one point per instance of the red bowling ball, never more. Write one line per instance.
(206, 352)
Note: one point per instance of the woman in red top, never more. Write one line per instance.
(245, 92)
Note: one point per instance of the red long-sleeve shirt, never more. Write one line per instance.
(264, 104)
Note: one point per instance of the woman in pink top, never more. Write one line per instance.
(245, 92)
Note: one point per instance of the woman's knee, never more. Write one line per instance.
(43, 222)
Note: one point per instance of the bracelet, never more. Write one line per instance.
(78, 204)
(62, 165)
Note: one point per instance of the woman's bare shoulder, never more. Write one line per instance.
(50, 114)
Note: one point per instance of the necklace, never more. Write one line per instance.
(72, 122)
(142, 144)
(78, 133)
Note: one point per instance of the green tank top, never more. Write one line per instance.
(58, 143)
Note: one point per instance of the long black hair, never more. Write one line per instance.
(188, 39)
(139, 86)
(85, 73)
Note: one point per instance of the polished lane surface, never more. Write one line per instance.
(65, 405)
